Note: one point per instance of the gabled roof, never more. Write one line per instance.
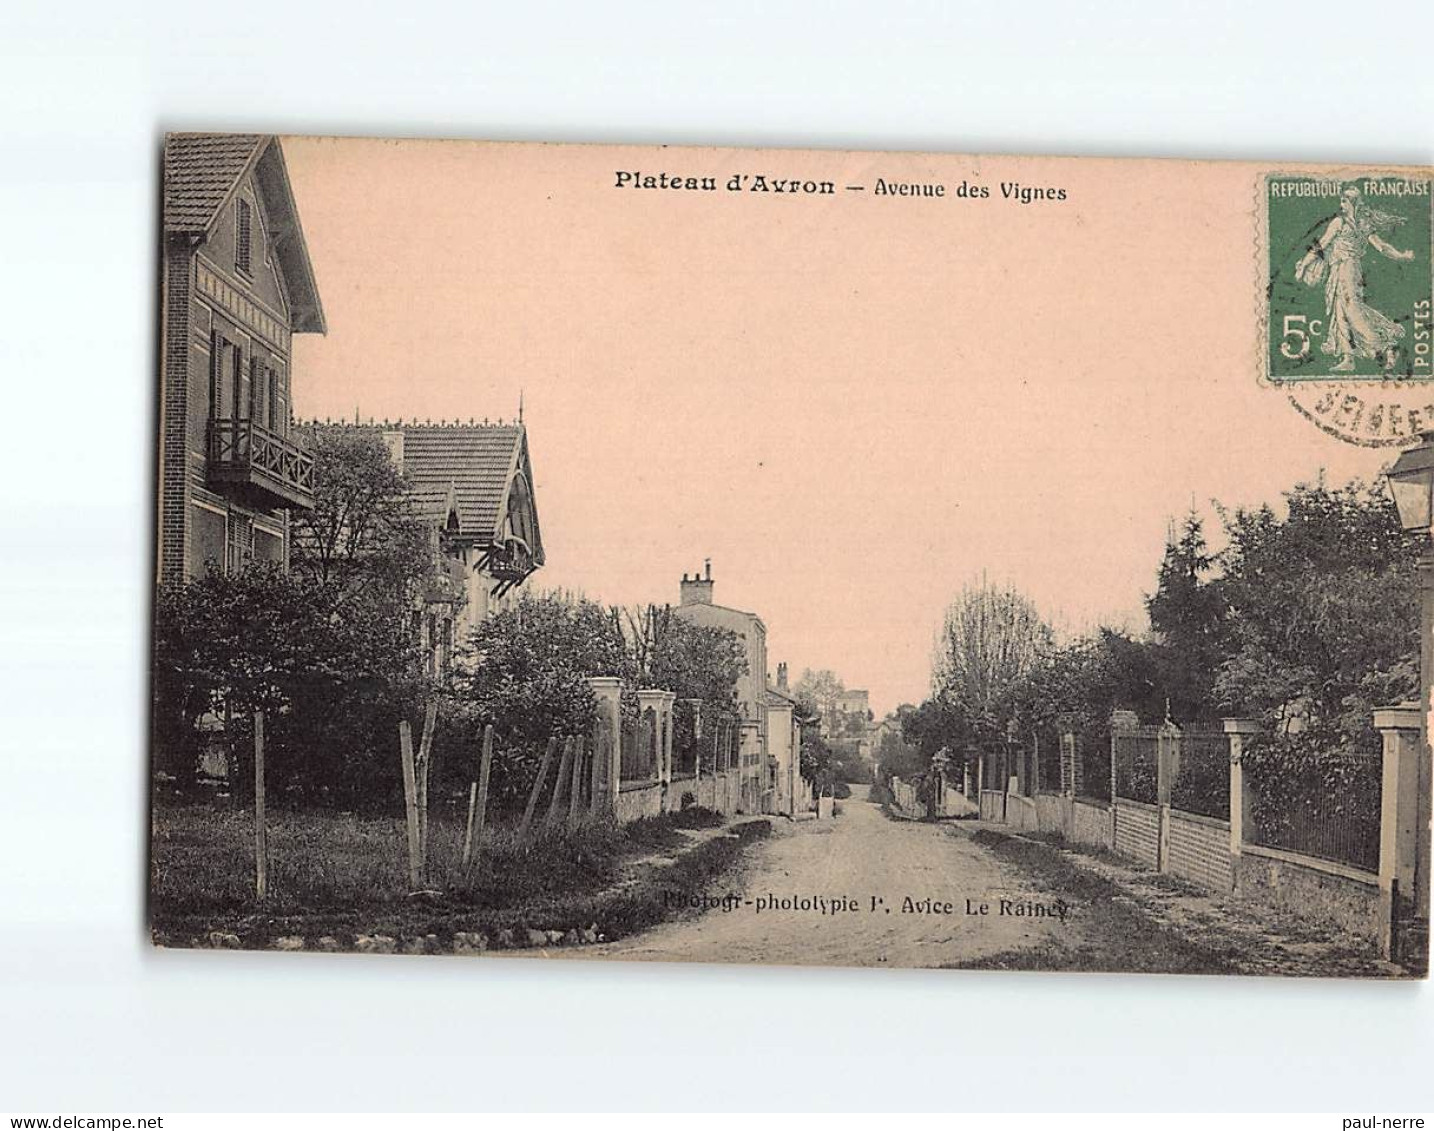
(202, 172)
(470, 469)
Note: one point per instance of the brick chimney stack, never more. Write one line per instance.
(698, 590)
(782, 676)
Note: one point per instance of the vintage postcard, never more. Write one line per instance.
(793, 557)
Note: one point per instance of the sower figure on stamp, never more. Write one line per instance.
(1353, 329)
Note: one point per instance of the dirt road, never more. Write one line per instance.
(864, 890)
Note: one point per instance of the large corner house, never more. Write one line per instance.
(237, 285)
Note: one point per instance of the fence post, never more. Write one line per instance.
(1237, 732)
(537, 788)
(478, 797)
(575, 788)
(425, 751)
(1121, 722)
(410, 800)
(1398, 818)
(1070, 781)
(261, 829)
(1167, 763)
(564, 769)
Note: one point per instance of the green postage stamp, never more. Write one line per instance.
(1349, 305)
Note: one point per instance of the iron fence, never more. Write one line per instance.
(1200, 767)
(1047, 749)
(1136, 755)
(1321, 803)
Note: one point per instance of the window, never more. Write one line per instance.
(256, 388)
(206, 543)
(240, 543)
(273, 400)
(243, 235)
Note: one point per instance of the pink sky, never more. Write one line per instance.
(853, 404)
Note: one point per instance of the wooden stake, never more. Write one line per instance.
(425, 747)
(261, 832)
(600, 756)
(537, 787)
(410, 801)
(552, 815)
(483, 770)
(575, 789)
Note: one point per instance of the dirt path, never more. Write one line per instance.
(850, 861)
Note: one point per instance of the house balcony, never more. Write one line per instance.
(276, 471)
(510, 562)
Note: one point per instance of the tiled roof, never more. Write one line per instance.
(475, 460)
(200, 170)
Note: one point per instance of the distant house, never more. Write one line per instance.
(474, 484)
(769, 750)
(237, 284)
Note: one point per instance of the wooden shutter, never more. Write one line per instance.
(216, 371)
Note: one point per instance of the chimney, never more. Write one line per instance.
(782, 676)
(394, 440)
(698, 590)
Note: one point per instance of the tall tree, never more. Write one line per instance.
(991, 640)
(1188, 615)
(1323, 609)
(362, 535)
(821, 687)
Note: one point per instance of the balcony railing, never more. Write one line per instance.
(511, 561)
(247, 454)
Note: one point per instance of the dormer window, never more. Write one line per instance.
(243, 236)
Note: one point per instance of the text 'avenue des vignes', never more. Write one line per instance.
(1012, 191)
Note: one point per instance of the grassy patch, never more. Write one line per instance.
(341, 875)
(1120, 938)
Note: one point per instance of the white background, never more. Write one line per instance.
(90, 1019)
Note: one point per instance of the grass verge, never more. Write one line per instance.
(1119, 938)
(335, 877)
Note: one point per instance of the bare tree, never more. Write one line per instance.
(990, 641)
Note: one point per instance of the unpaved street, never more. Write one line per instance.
(860, 855)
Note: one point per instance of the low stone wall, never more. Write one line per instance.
(638, 799)
(1092, 824)
(1200, 850)
(1137, 831)
(957, 804)
(1021, 813)
(1314, 889)
(714, 791)
(679, 788)
(1051, 810)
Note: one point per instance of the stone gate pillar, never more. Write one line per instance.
(1238, 732)
(606, 742)
(1399, 842)
(660, 703)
